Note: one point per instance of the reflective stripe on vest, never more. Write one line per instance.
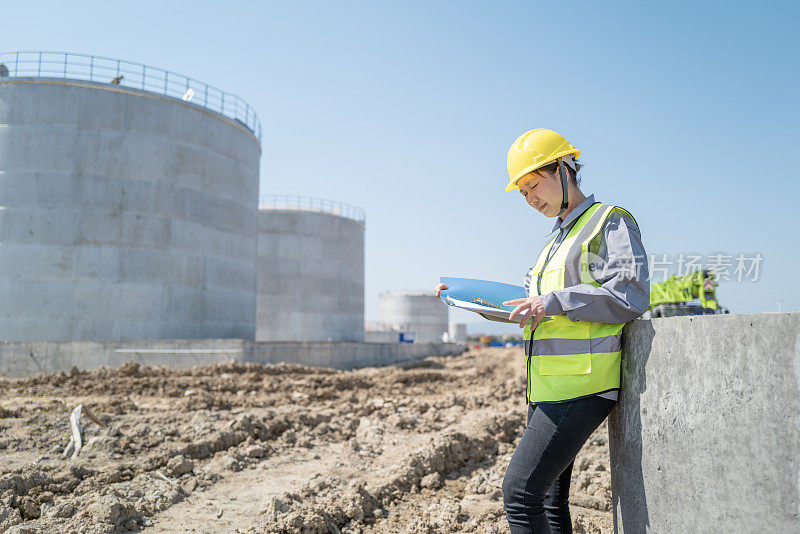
(566, 359)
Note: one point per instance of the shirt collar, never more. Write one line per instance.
(574, 214)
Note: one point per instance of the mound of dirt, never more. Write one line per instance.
(414, 448)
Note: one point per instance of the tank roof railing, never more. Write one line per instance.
(303, 203)
(68, 65)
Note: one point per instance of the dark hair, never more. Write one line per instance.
(571, 175)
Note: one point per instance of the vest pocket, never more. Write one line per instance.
(565, 364)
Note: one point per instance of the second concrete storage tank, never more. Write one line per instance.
(127, 213)
(417, 312)
(310, 270)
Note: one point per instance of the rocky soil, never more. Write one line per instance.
(414, 448)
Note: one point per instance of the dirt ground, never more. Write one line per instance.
(414, 448)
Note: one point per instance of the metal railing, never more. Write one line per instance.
(67, 65)
(300, 203)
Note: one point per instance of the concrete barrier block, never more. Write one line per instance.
(706, 435)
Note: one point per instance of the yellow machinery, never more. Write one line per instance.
(676, 296)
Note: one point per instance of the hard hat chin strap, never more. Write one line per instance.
(565, 198)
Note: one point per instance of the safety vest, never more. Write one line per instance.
(565, 359)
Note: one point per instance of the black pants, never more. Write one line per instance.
(536, 485)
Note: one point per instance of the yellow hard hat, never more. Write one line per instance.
(535, 149)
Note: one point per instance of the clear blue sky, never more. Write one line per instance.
(686, 114)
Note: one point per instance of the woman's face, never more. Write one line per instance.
(542, 192)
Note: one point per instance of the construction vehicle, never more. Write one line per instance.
(676, 296)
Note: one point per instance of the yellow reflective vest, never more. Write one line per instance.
(569, 359)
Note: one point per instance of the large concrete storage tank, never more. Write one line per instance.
(310, 270)
(417, 312)
(129, 206)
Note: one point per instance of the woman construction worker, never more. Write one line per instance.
(588, 281)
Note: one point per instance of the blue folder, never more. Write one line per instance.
(481, 296)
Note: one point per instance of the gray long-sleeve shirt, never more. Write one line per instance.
(624, 293)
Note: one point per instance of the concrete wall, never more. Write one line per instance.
(706, 436)
(348, 355)
(310, 277)
(419, 312)
(126, 215)
(28, 359)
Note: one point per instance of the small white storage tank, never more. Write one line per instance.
(129, 200)
(457, 333)
(417, 312)
(310, 270)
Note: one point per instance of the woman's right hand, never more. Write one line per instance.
(439, 289)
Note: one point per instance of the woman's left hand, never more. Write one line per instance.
(527, 308)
